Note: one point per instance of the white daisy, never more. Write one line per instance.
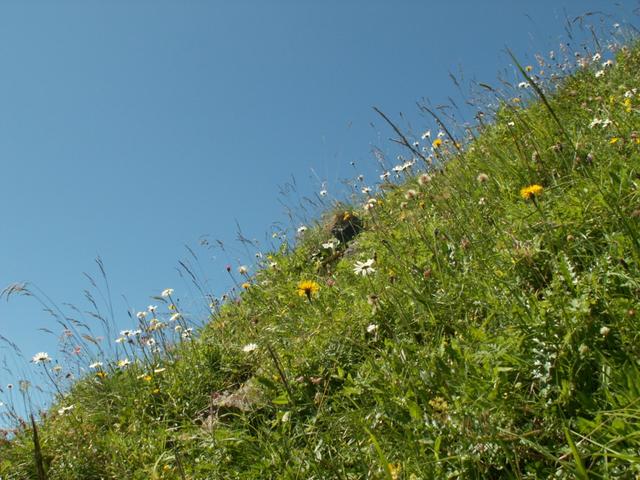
(167, 292)
(41, 357)
(364, 268)
(249, 347)
(64, 410)
(124, 363)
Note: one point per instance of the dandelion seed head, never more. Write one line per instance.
(482, 178)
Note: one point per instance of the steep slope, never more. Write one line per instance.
(479, 321)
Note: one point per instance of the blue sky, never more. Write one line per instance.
(129, 129)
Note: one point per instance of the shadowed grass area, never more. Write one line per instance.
(477, 318)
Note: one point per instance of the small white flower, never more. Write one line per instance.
(126, 333)
(370, 204)
(372, 328)
(426, 135)
(141, 315)
(249, 347)
(120, 340)
(511, 124)
(364, 268)
(385, 176)
(273, 265)
(607, 64)
(441, 134)
(523, 85)
(178, 328)
(596, 57)
(167, 292)
(57, 369)
(366, 190)
(302, 229)
(323, 193)
(124, 363)
(152, 308)
(583, 349)
(606, 122)
(64, 410)
(95, 365)
(243, 270)
(604, 331)
(331, 244)
(187, 333)
(595, 122)
(599, 73)
(175, 316)
(41, 357)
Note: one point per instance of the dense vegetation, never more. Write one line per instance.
(478, 317)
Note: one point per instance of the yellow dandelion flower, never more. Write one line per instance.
(437, 143)
(101, 374)
(246, 285)
(307, 288)
(627, 104)
(529, 68)
(613, 141)
(394, 470)
(531, 191)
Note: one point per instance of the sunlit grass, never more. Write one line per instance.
(475, 315)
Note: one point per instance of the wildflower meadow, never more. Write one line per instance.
(474, 313)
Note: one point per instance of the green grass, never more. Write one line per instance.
(496, 338)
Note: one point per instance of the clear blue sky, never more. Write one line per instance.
(129, 129)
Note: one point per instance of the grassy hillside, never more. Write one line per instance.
(477, 321)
